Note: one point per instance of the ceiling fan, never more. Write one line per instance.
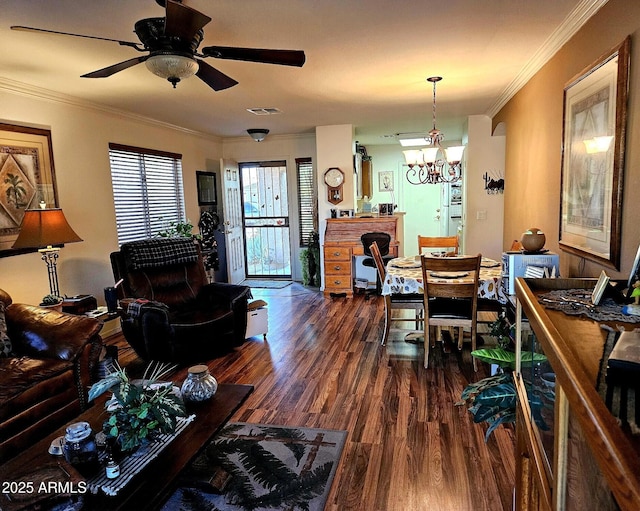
(172, 45)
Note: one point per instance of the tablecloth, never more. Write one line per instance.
(404, 276)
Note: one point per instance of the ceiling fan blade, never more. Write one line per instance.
(115, 68)
(282, 57)
(55, 32)
(215, 79)
(182, 21)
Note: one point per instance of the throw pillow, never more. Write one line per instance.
(5, 344)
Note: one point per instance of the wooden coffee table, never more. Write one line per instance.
(148, 489)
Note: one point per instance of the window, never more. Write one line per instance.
(306, 200)
(147, 191)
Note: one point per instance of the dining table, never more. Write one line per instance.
(404, 276)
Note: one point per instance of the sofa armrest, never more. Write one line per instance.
(45, 333)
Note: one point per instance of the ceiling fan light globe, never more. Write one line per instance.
(172, 67)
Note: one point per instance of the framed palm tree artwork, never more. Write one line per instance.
(27, 179)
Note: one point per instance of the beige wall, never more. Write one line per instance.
(533, 121)
(483, 212)
(80, 138)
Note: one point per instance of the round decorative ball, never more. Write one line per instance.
(533, 240)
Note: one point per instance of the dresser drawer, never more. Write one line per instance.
(338, 267)
(338, 284)
(336, 253)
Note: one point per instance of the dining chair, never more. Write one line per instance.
(396, 301)
(383, 242)
(450, 297)
(438, 242)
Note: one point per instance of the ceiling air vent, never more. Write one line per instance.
(264, 111)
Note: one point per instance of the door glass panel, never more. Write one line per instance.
(266, 219)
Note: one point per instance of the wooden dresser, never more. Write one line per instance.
(342, 242)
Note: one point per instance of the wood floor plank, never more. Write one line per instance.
(408, 447)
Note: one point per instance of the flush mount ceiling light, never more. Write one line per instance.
(424, 165)
(258, 134)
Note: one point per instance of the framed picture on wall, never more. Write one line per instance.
(207, 191)
(595, 115)
(385, 181)
(27, 178)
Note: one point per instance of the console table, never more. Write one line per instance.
(149, 488)
(342, 242)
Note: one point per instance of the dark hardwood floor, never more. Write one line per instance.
(409, 447)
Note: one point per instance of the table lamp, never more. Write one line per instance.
(44, 229)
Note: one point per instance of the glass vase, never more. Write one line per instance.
(199, 385)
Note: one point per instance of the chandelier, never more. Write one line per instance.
(425, 165)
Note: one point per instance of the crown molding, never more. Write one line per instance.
(23, 89)
(572, 23)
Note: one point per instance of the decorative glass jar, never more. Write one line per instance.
(199, 385)
(80, 447)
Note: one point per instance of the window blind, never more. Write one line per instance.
(306, 199)
(147, 191)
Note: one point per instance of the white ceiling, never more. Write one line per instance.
(367, 60)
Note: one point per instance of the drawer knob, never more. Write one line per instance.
(337, 267)
(337, 282)
(336, 254)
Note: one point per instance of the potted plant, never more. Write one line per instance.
(139, 409)
(493, 399)
(310, 259)
(502, 331)
(52, 301)
(178, 230)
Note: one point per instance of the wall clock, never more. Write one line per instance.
(334, 179)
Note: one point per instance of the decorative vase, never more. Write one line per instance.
(199, 385)
(533, 240)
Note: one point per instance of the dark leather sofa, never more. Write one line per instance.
(44, 381)
(170, 310)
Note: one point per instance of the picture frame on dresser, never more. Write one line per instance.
(27, 178)
(594, 126)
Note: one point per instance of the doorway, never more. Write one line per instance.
(266, 219)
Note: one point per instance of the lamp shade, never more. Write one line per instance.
(454, 154)
(413, 156)
(42, 228)
(430, 154)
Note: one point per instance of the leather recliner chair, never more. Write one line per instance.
(170, 310)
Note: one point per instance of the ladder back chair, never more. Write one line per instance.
(450, 300)
(396, 301)
(447, 244)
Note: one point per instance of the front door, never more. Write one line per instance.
(266, 219)
(232, 208)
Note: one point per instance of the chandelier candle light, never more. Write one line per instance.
(424, 165)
